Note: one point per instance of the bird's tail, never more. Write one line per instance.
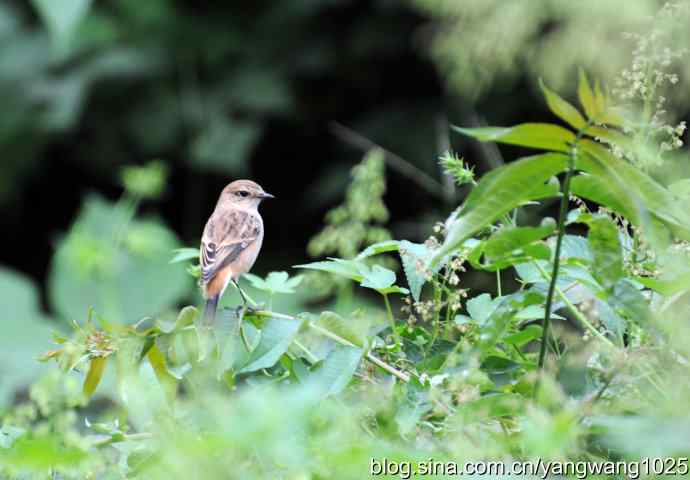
(210, 311)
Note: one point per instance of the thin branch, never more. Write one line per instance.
(337, 338)
(396, 162)
(393, 371)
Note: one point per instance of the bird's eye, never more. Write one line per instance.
(242, 193)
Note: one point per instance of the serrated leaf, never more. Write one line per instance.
(629, 300)
(563, 109)
(500, 191)
(275, 282)
(351, 330)
(414, 258)
(544, 136)
(378, 278)
(481, 307)
(337, 370)
(337, 266)
(276, 336)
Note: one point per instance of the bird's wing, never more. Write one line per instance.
(226, 236)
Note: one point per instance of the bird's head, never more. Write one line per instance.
(244, 194)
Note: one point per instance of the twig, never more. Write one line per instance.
(123, 438)
(395, 161)
(393, 371)
(337, 338)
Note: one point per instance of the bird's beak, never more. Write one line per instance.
(265, 195)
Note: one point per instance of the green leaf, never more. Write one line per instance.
(586, 96)
(167, 381)
(110, 262)
(26, 334)
(508, 239)
(681, 189)
(276, 282)
(184, 254)
(353, 330)
(186, 317)
(336, 371)
(481, 307)
(607, 264)
(534, 312)
(667, 286)
(62, 18)
(276, 336)
(629, 300)
(564, 110)
(379, 248)
(633, 187)
(526, 335)
(94, 375)
(500, 191)
(414, 258)
(605, 193)
(544, 136)
(224, 145)
(337, 266)
(496, 325)
(378, 278)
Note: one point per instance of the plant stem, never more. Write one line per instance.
(565, 193)
(578, 314)
(391, 320)
(312, 358)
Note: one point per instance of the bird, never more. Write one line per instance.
(231, 242)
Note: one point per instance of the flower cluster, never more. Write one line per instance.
(641, 86)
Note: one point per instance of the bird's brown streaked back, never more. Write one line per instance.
(231, 240)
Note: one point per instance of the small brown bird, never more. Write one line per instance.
(231, 241)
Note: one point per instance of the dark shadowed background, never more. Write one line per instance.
(225, 90)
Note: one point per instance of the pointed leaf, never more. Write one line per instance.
(607, 265)
(184, 254)
(563, 109)
(337, 370)
(509, 239)
(379, 248)
(544, 136)
(378, 278)
(639, 190)
(94, 375)
(352, 330)
(586, 96)
(165, 378)
(276, 336)
(500, 191)
(345, 268)
(414, 257)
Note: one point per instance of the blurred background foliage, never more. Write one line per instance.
(123, 120)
